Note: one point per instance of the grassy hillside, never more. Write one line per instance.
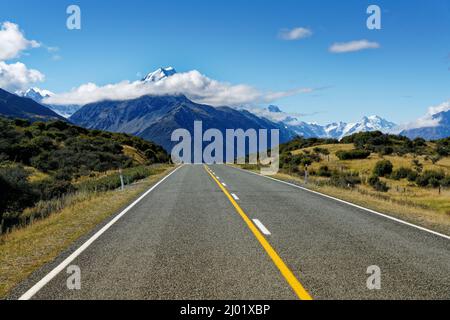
(41, 164)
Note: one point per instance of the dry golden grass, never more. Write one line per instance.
(24, 250)
(135, 154)
(400, 191)
(36, 175)
(365, 166)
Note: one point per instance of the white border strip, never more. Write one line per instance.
(350, 204)
(38, 286)
(235, 196)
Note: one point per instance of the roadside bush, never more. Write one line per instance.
(375, 182)
(112, 181)
(352, 154)
(412, 176)
(401, 173)
(446, 181)
(320, 150)
(345, 180)
(324, 172)
(430, 178)
(16, 193)
(51, 188)
(387, 150)
(383, 168)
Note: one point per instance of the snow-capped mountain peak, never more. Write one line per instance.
(35, 94)
(159, 74)
(370, 123)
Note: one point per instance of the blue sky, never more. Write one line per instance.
(238, 42)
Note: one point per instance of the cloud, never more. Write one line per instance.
(429, 119)
(13, 42)
(193, 84)
(295, 34)
(353, 46)
(17, 76)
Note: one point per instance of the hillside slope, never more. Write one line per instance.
(14, 106)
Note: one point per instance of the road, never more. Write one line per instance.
(194, 237)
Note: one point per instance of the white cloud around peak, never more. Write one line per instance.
(352, 46)
(13, 42)
(295, 33)
(193, 84)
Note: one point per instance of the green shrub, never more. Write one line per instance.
(383, 168)
(324, 172)
(430, 178)
(323, 151)
(446, 181)
(16, 193)
(345, 180)
(352, 154)
(401, 173)
(412, 176)
(375, 182)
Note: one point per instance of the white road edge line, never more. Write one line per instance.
(38, 286)
(350, 204)
(261, 227)
(235, 196)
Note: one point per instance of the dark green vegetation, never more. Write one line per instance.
(353, 154)
(366, 144)
(66, 159)
(386, 144)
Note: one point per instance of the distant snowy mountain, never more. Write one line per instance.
(39, 95)
(434, 125)
(336, 130)
(159, 74)
(35, 93)
(372, 123)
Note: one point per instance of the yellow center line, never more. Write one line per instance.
(285, 271)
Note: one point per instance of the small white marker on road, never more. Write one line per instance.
(235, 196)
(223, 183)
(262, 227)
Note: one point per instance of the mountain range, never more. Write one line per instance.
(336, 130)
(155, 117)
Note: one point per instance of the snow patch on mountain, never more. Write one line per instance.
(159, 74)
(336, 130)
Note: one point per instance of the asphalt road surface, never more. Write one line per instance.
(222, 233)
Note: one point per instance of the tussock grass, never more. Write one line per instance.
(24, 250)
